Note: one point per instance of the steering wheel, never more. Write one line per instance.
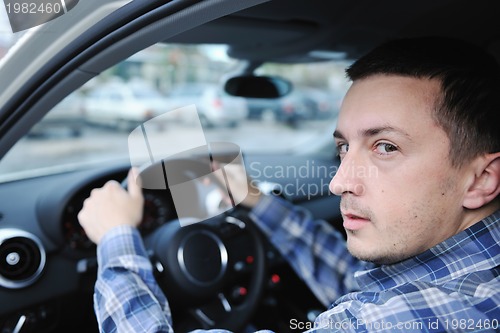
(211, 271)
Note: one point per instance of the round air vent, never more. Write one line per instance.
(22, 258)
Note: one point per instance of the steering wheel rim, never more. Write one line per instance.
(234, 316)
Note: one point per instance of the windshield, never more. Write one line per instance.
(93, 124)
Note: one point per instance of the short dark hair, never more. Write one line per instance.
(468, 109)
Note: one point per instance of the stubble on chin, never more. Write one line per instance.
(387, 259)
(379, 254)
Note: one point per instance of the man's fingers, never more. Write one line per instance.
(134, 183)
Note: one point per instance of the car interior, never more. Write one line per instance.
(257, 52)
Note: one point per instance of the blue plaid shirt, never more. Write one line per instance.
(452, 287)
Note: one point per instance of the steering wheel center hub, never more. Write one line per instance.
(202, 257)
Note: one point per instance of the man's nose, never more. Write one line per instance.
(349, 177)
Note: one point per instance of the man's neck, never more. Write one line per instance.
(471, 217)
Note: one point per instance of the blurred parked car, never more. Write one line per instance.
(296, 107)
(324, 104)
(215, 107)
(301, 104)
(123, 106)
(65, 118)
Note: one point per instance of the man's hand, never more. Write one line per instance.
(112, 206)
(239, 180)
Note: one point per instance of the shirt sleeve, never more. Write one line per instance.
(314, 249)
(127, 297)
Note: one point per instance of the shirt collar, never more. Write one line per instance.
(476, 248)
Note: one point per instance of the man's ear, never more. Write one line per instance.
(486, 184)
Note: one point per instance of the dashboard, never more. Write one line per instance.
(158, 210)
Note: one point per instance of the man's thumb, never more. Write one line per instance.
(134, 182)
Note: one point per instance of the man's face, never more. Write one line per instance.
(399, 193)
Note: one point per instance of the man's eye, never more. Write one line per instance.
(342, 148)
(385, 148)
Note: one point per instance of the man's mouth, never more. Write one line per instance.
(352, 221)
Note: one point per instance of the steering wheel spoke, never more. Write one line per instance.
(202, 318)
(225, 303)
(209, 314)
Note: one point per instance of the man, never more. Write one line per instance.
(423, 230)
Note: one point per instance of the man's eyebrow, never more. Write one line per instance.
(374, 131)
(383, 129)
(338, 135)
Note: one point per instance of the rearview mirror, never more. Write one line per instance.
(251, 86)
